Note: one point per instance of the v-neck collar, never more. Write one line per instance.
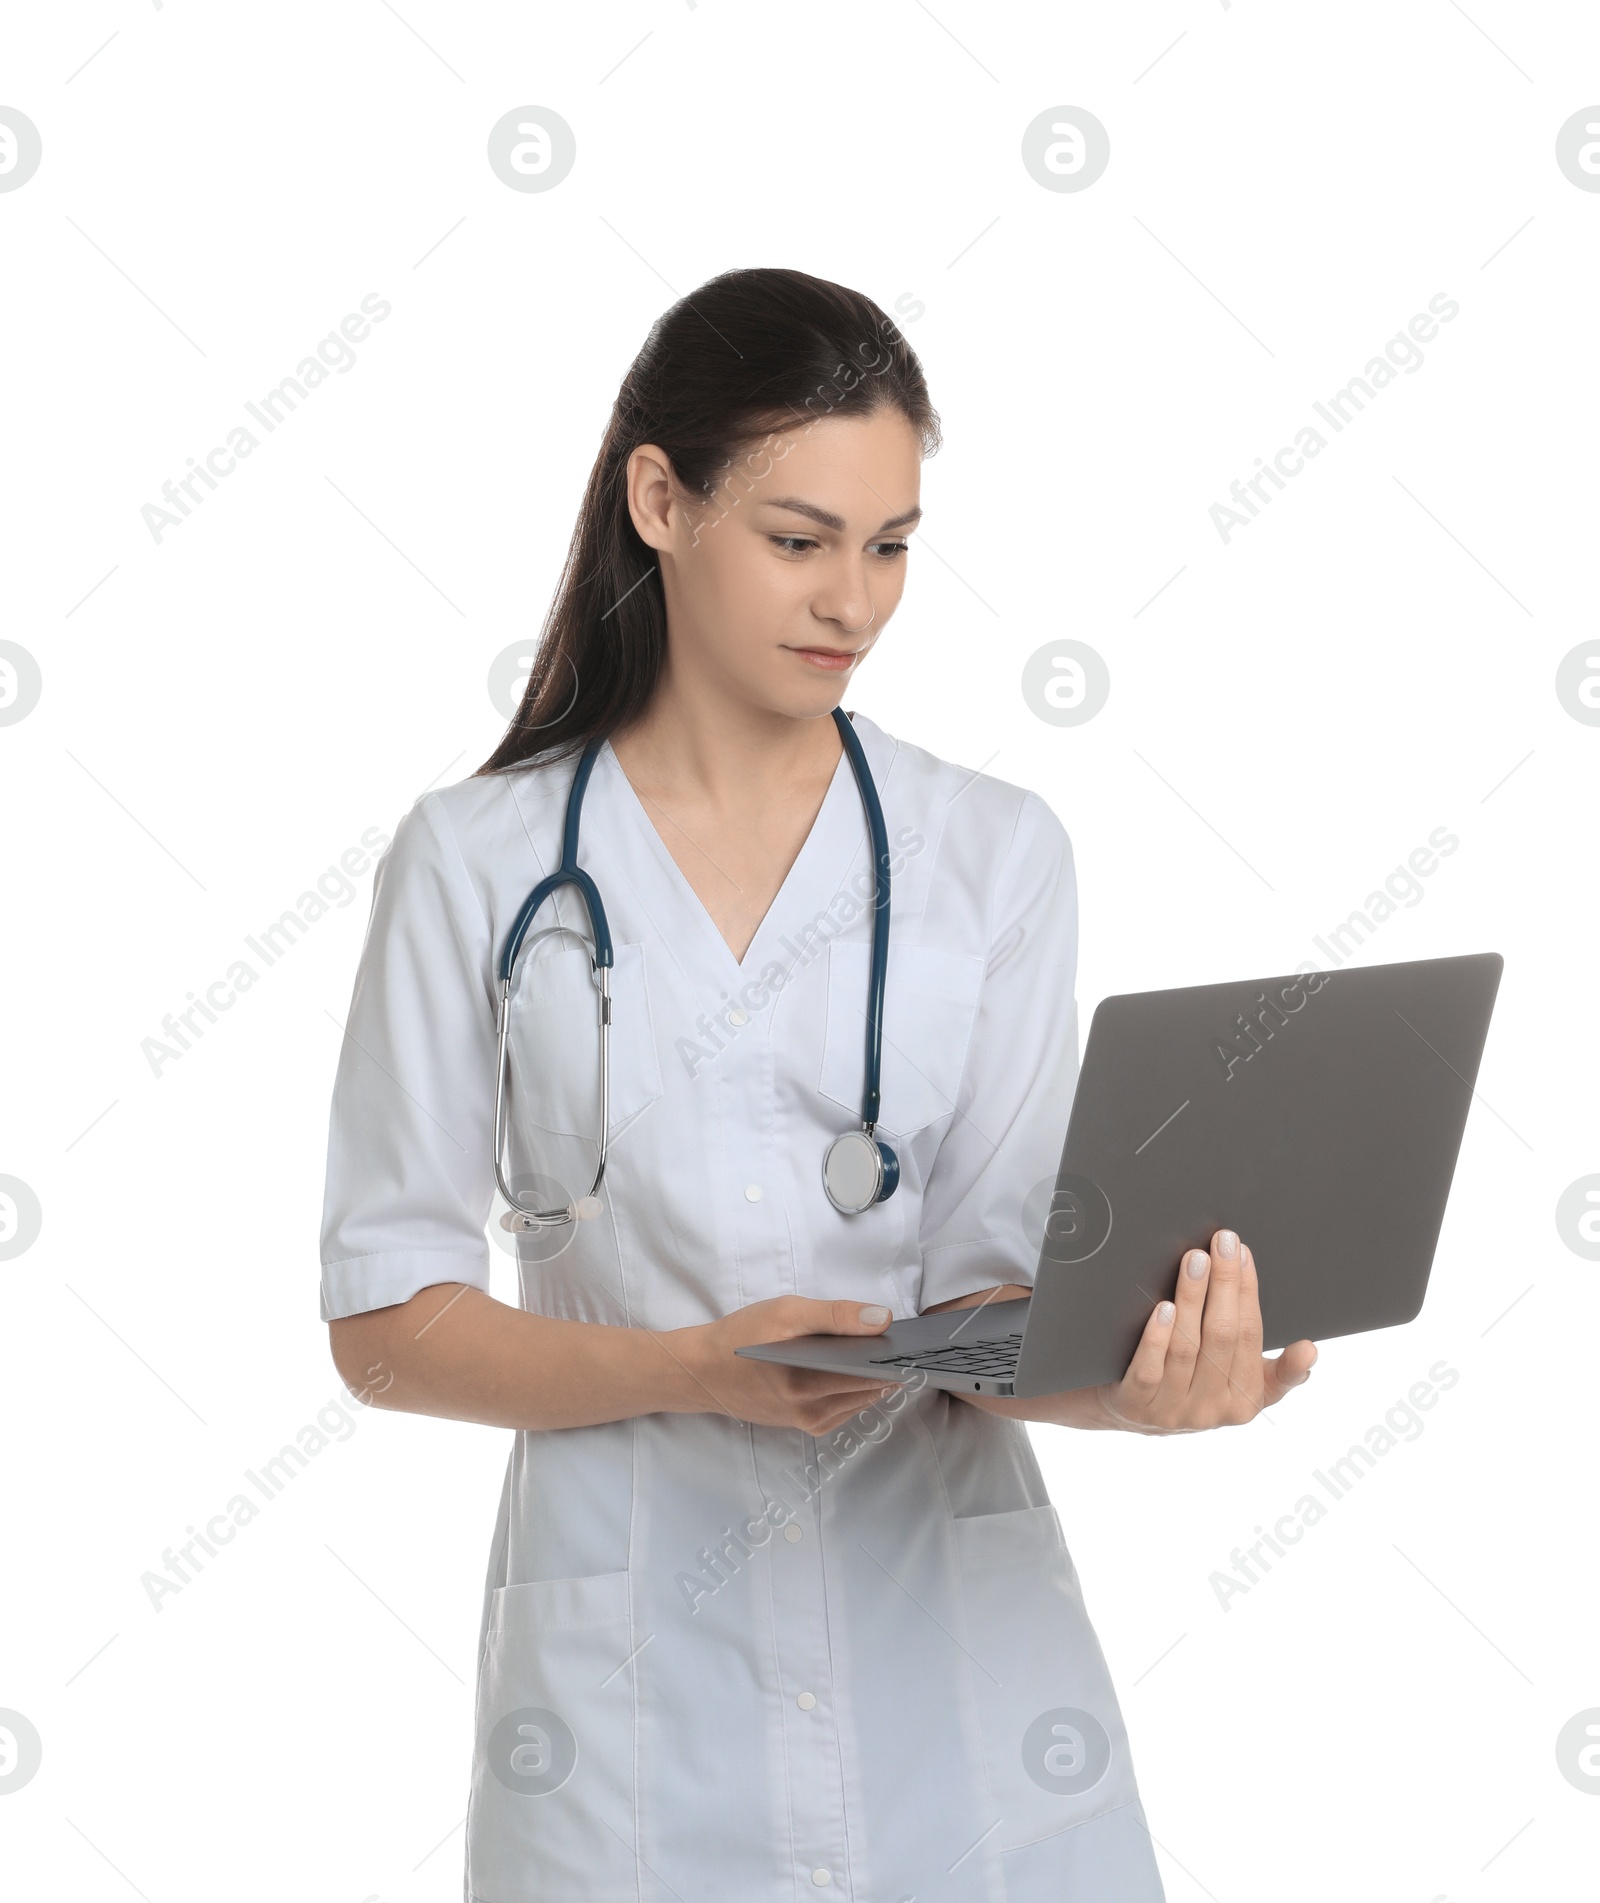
(837, 835)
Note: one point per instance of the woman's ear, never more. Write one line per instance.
(652, 495)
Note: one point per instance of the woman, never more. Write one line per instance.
(750, 1631)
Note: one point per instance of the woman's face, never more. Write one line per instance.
(778, 586)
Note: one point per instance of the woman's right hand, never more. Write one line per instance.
(766, 1393)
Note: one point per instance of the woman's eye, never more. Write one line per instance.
(799, 544)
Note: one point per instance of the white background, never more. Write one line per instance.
(1291, 713)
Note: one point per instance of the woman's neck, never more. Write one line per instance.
(733, 793)
(717, 751)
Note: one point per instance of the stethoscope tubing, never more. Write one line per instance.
(570, 873)
(878, 977)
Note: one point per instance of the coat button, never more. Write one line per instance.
(792, 1532)
(752, 1192)
(821, 1878)
(807, 1701)
(737, 1016)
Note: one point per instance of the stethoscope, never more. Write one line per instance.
(857, 1170)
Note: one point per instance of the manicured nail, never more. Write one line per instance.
(873, 1316)
(1164, 1313)
(1195, 1262)
(1227, 1243)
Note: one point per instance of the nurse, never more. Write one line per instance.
(749, 1632)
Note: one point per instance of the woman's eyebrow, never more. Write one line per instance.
(831, 521)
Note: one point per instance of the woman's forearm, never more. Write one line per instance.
(455, 1352)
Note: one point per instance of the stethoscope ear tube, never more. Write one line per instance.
(516, 1217)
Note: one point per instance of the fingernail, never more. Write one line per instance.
(1195, 1262)
(872, 1315)
(1165, 1312)
(1227, 1243)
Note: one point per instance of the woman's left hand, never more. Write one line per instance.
(1199, 1362)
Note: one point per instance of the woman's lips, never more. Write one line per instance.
(831, 660)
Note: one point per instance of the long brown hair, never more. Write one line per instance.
(747, 354)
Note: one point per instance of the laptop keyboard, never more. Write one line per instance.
(992, 1355)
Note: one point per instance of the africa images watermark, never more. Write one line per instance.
(717, 1562)
(1243, 1043)
(1401, 1422)
(776, 444)
(1400, 888)
(333, 354)
(1402, 352)
(185, 1563)
(334, 890)
(1271, 1013)
(841, 911)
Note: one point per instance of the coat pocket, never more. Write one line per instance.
(930, 1000)
(554, 1040)
(552, 1814)
(1054, 1745)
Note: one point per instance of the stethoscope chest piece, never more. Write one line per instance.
(859, 1171)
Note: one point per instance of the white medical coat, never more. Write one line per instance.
(725, 1663)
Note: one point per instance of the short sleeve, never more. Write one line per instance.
(999, 1156)
(410, 1173)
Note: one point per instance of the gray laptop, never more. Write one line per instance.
(1318, 1115)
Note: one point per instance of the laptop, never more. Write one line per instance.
(1318, 1115)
